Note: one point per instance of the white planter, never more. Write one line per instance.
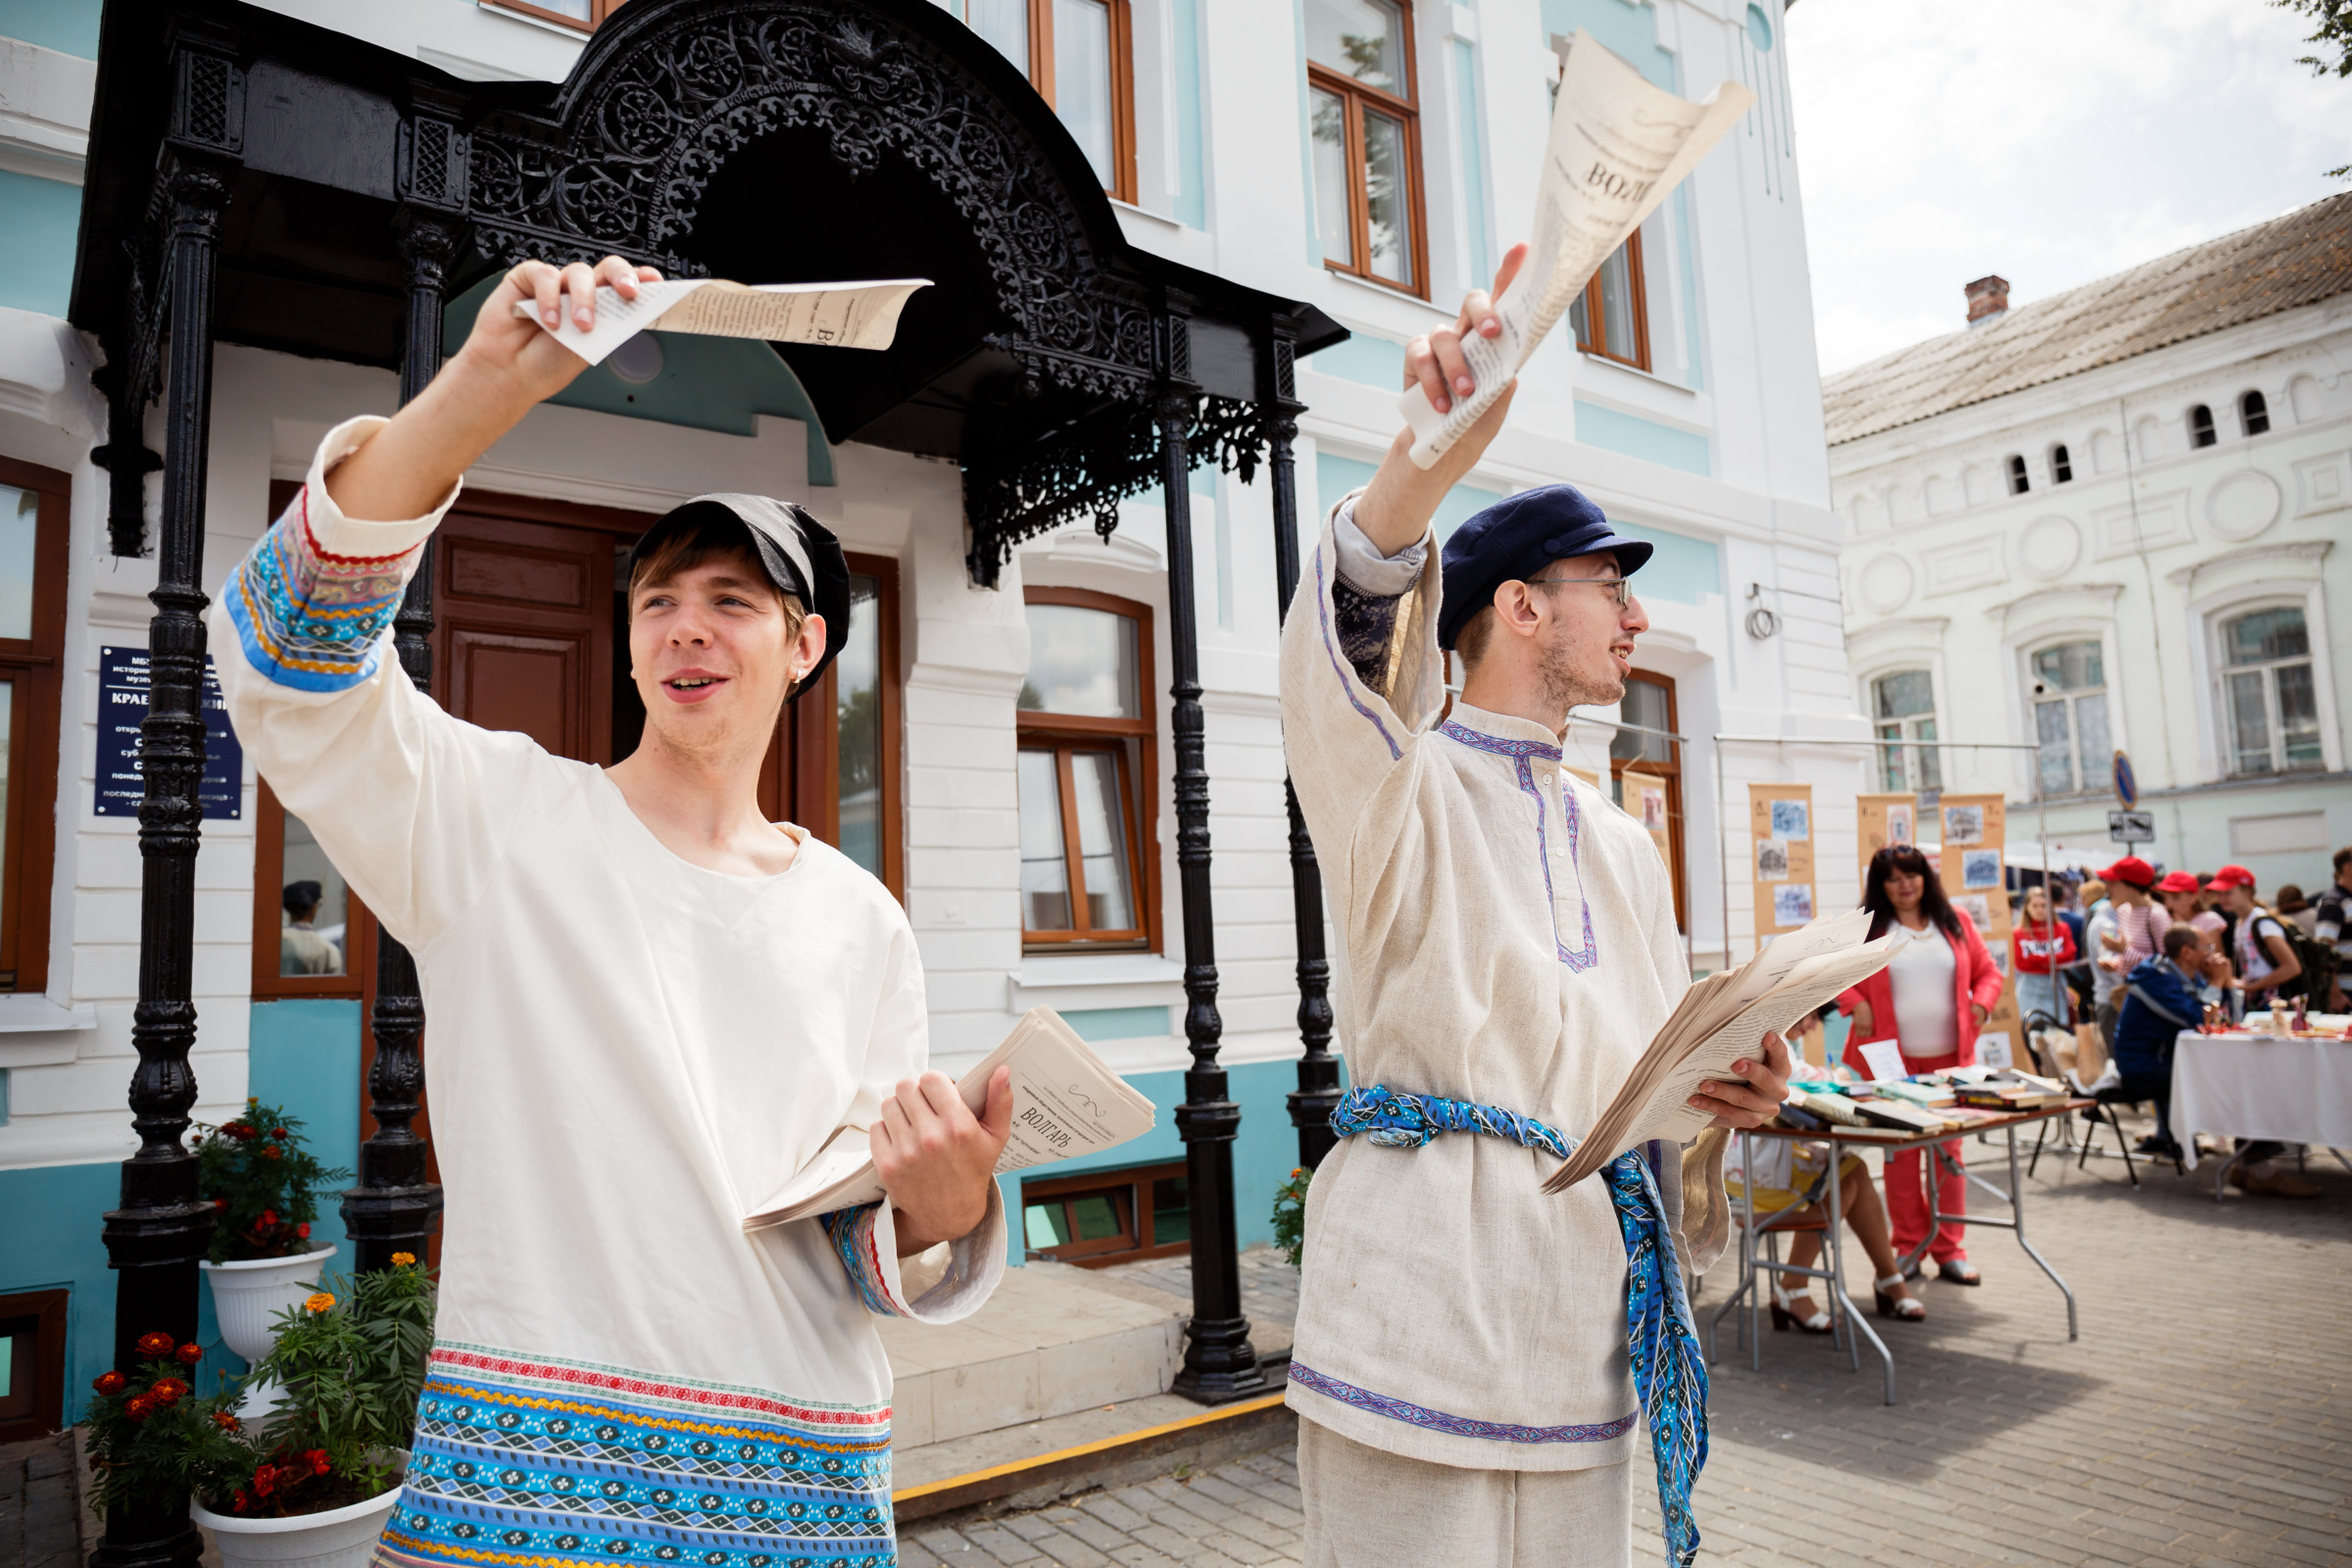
(340, 1538)
(246, 1296)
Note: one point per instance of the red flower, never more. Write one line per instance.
(220, 1204)
(265, 1481)
(243, 1501)
(189, 1354)
(225, 1422)
(277, 1131)
(141, 1407)
(167, 1392)
(302, 1230)
(268, 1215)
(268, 1150)
(154, 1346)
(317, 1461)
(109, 1383)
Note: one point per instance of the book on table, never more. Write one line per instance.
(1719, 1021)
(1066, 1101)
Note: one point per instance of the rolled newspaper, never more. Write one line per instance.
(1618, 147)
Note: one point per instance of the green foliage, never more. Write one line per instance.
(262, 1183)
(150, 1436)
(2334, 31)
(351, 1361)
(1290, 1214)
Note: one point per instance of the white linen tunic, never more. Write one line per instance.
(624, 1051)
(1506, 936)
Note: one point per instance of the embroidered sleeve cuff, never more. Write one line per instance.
(1364, 569)
(942, 1285)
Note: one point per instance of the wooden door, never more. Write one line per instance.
(524, 629)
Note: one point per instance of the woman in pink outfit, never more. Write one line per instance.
(1930, 1001)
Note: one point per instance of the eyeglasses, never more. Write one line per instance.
(1620, 588)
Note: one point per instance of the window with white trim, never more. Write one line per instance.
(2270, 706)
(2070, 716)
(1902, 706)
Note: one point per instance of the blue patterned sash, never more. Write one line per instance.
(1669, 1373)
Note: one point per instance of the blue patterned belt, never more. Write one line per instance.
(1669, 1373)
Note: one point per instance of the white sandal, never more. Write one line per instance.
(1782, 1314)
(1909, 1308)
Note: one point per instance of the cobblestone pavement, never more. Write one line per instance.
(2203, 1418)
(38, 1527)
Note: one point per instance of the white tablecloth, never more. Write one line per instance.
(2262, 1086)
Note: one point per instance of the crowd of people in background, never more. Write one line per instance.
(2142, 954)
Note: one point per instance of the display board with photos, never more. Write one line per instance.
(1645, 802)
(1780, 856)
(1974, 829)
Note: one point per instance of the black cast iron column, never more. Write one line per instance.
(396, 1204)
(1219, 1362)
(156, 1239)
(1319, 1091)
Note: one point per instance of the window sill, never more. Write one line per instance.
(1391, 292)
(36, 1032)
(1076, 981)
(1619, 365)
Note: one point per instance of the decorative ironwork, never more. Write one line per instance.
(156, 1239)
(666, 95)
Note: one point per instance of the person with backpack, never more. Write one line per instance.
(2329, 933)
(2263, 956)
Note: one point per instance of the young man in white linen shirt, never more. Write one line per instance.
(650, 1006)
(1508, 948)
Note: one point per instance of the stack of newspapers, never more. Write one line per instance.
(1066, 1101)
(1722, 1019)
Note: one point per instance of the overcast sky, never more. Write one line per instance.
(2052, 141)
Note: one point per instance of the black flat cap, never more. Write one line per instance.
(1515, 539)
(802, 556)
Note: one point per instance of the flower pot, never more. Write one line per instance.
(248, 1296)
(340, 1538)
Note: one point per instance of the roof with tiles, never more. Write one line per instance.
(2299, 259)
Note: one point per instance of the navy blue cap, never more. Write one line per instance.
(1515, 539)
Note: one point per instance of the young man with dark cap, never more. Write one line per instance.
(1472, 1354)
(649, 1007)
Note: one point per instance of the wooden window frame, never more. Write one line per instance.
(357, 981)
(1134, 1183)
(1596, 342)
(46, 1412)
(1065, 731)
(1122, 186)
(34, 665)
(1354, 96)
(1670, 772)
(598, 13)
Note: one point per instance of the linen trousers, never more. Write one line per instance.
(1369, 1508)
(1907, 1208)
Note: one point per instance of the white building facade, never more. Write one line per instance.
(998, 754)
(2111, 521)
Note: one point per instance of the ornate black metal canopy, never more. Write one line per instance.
(766, 140)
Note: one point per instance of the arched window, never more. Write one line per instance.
(2070, 716)
(2062, 466)
(1902, 707)
(2255, 411)
(2201, 427)
(2019, 485)
(2270, 706)
(1085, 771)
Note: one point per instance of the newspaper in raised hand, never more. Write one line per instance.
(851, 316)
(1618, 146)
(1066, 1101)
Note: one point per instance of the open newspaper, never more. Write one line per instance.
(1721, 1019)
(1066, 1101)
(1618, 147)
(850, 316)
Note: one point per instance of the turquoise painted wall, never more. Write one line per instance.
(1615, 430)
(1337, 476)
(1264, 1153)
(1192, 159)
(1118, 1023)
(40, 221)
(305, 1058)
(1682, 570)
(1372, 360)
(69, 26)
(1629, 29)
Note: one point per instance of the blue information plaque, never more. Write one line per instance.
(122, 705)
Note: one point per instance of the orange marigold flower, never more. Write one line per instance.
(270, 1152)
(318, 1301)
(167, 1392)
(225, 1421)
(141, 1407)
(156, 1344)
(253, 1099)
(189, 1354)
(277, 1131)
(404, 1259)
(109, 1383)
